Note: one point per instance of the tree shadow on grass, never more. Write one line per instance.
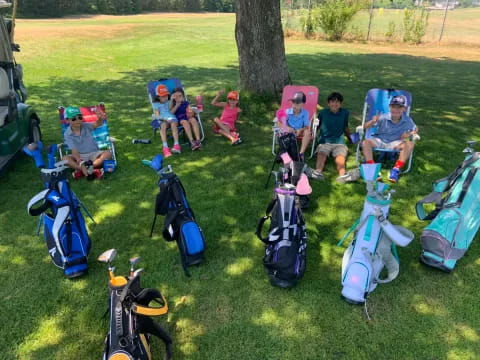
(229, 297)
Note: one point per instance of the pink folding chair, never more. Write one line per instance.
(311, 93)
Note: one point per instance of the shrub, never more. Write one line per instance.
(391, 29)
(414, 25)
(333, 16)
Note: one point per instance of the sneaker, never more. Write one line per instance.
(314, 174)
(199, 143)
(98, 173)
(195, 145)
(394, 175)
(349, 176)
(77, 174)
(166, 152)
(176, 149)
(91, 177)
(237, 142)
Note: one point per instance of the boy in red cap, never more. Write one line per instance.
(225, 125)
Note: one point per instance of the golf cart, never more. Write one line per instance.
(19, 124)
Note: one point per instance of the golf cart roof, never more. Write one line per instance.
(6, 55)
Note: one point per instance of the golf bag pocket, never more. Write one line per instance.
(456, 217)
(191, 242)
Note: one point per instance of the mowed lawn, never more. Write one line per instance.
(227, 309)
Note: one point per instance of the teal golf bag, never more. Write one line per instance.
(373, 247)
(456, 217)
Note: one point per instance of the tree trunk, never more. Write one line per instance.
(261, 51)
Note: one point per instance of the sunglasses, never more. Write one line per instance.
(297, 101)
(77, 117)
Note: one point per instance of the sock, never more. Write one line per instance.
(370, 162)
(176, 143)
(399, 164)
(165, 144)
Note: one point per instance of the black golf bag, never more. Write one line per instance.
(131, 324)
(286, 242)
(64, 228)
(180, 224)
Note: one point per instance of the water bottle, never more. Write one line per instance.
(199, 100)
(141, 141)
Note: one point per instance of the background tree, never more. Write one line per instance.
(261, 50)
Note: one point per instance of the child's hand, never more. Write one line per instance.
(220, 92)
(100, 115)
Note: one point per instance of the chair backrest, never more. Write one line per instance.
(311, 93)
(171, 85)
(101, 134)
(4, 94)
(377, 102)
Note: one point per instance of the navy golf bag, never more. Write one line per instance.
(180, 224)
(456, 217)
(64, 227)
(131, 309)
(286, 242)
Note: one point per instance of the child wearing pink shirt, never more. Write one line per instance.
(225, 125)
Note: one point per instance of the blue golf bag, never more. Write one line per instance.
(456, 217)
(64, 227)
(373, 247)
(180, 224)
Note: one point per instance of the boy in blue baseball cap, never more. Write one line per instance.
(394, 130)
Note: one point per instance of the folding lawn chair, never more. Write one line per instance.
(377, 102)
(311, 93)
(101, 134)
(171, 84)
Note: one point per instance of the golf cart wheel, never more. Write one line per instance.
(34, 133)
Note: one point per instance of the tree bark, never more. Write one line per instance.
(260, 44)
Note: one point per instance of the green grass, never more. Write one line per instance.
(231, 311)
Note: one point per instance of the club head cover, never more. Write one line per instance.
(303, 186)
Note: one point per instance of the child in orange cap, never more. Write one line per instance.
(161, 110)
(225, 125)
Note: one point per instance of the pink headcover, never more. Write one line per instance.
(282, 119)
(303, 186)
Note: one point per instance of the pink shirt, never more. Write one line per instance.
(229, 116)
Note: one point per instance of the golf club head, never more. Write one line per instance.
(107, 256)
(137, 272)
(134, 261)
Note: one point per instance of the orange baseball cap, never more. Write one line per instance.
(162, 90)
(233, 95)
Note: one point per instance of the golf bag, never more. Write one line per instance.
(64, 227)
(456, 217)
(373, 247)
(180, 224)
(286, 243)
(131, 308)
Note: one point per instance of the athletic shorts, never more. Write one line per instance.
(91, 156)
(333, 149)
(387, 146)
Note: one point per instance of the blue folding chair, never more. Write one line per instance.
(171, 84)
(377, 102)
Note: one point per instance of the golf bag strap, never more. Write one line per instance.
(62, 215)
(42, 195)
(399, 235)
(146, 325)
(263, 219)
(169, 220)
(384, 251)
(434, 197)
(144, 298)
(465, 186)
(458, 171)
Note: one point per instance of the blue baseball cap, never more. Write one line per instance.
(400, 100)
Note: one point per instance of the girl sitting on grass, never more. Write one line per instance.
(225, 125)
